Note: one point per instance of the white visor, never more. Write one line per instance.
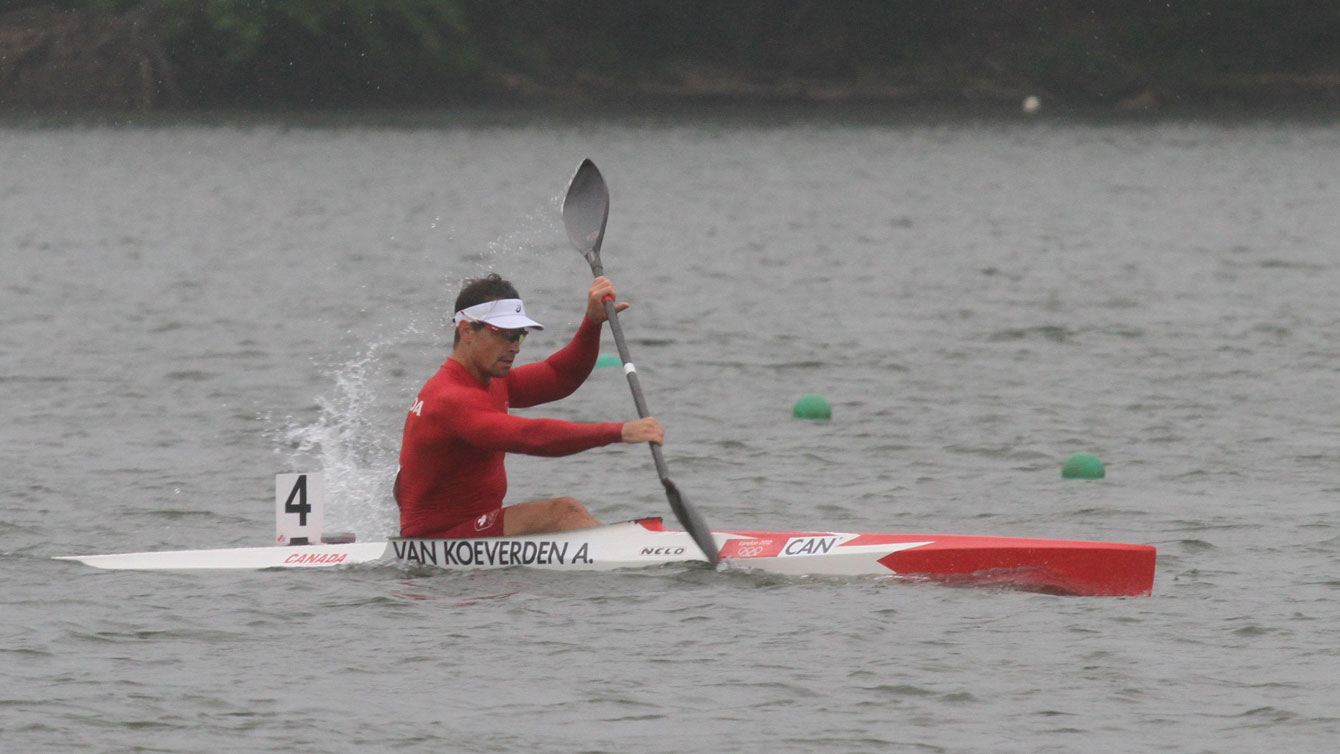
(504, 314)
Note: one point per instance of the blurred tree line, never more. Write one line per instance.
(326, 52)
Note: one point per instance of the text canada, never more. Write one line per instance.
(315, 558)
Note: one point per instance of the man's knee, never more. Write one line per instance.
(567, 507)
(569, 513)
(553, 514)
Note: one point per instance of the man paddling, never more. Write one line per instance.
(452, 480)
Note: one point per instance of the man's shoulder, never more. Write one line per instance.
(445, 390)
(450, 376)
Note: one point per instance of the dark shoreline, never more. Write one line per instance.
(87, 64)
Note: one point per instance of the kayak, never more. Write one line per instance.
(1046, 565)
(1049, 565)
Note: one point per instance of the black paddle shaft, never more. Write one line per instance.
(612, 315)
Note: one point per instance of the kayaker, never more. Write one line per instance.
(452, 481)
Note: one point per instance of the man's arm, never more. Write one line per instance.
(559, 375)
(480, 425)
(562, 373)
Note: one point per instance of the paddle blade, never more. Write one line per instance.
(692, 522)
(586, 208)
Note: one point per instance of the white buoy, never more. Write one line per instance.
(1031, 105)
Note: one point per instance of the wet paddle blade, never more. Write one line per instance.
(586, 208)
(692, 521)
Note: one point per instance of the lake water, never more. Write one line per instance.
(188, 309)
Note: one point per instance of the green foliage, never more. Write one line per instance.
(329, 51)
(313, 50)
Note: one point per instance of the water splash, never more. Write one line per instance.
(354, 446)
(537, 230)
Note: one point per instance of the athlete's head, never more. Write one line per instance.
(491, 287)
(471, 306)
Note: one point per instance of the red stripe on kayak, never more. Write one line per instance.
(1083, 568)
(1050, 565)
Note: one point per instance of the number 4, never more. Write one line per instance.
(302, 507)
(299, 501)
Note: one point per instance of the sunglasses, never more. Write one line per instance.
(511, 336)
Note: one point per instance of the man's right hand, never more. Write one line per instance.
(601, 289)
(644, 430)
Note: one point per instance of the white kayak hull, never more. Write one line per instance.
(605, 548)
(1060, 566)
(238, 558)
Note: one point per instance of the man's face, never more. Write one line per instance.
(492, 350)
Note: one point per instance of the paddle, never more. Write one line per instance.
(585, 210)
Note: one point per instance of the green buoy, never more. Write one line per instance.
(1083, 466)
(608, 360)
(812, 407)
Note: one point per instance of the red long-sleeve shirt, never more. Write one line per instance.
(458, 432)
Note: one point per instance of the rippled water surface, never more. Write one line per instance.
(187, 310)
